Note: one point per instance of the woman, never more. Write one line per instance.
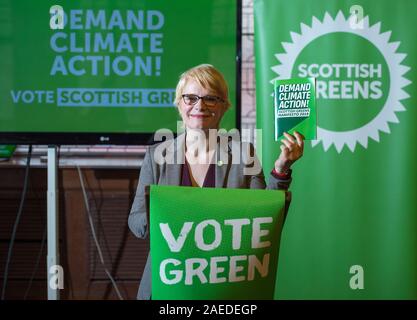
(192, 159)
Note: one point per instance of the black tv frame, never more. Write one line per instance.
(108, 138)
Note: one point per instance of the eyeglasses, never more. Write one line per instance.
(209, 101)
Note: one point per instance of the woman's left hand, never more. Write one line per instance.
(291, 150)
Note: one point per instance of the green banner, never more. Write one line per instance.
(351, 232)
(213, 243)
(112, 66)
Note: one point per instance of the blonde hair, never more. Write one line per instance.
(208, 77)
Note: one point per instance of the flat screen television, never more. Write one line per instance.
(104, 72)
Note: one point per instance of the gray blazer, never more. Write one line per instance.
(229, 174)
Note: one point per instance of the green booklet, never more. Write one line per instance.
(295, 107)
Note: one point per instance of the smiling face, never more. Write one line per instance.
(200, 116)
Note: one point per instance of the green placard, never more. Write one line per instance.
(213, 243)
(295, 107)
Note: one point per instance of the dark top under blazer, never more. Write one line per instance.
(209, 180)
(227, 175)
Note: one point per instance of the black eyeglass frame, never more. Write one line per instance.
(188, 95)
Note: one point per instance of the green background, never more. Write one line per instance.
(193, 33)
(348, 208)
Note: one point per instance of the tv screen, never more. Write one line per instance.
(104, 72)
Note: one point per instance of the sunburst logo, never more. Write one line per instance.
(369, 92)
